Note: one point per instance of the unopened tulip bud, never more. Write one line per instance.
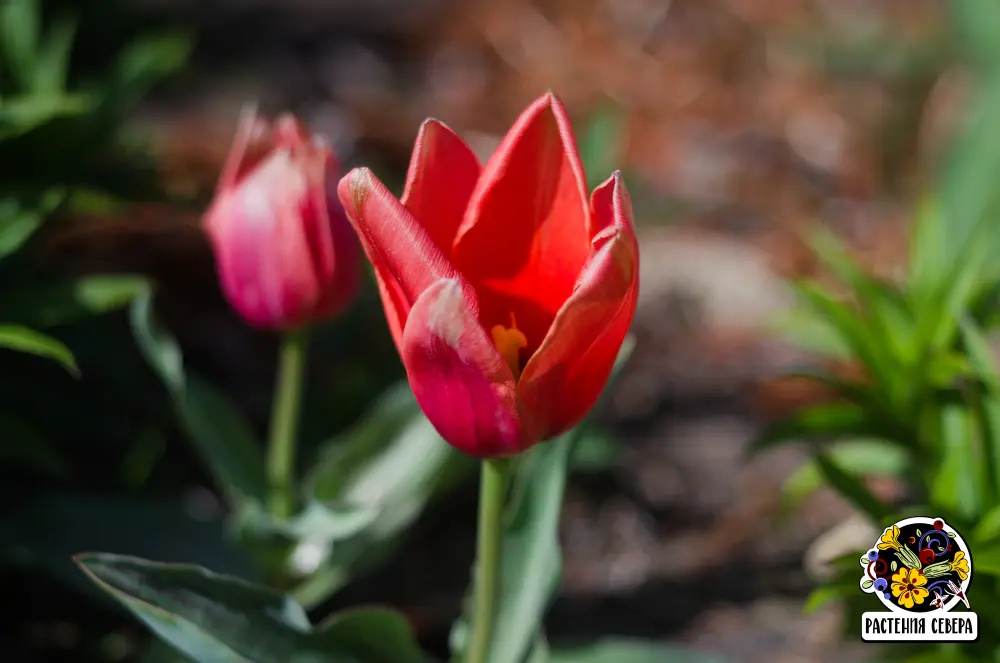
(285, 253)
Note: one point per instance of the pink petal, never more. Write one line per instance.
(461, 382)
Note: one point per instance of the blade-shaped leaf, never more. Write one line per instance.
(374, 635)
(19, 219)
(886, 310)
(214, 618)
(144, 63)
(61, 303)
(223, 438)
(959, 484)
(20, 25)
(851, 488)
(43, 534)
(52, 61)
(967, 196)
(824, 420)
(871, 349)
(986, 405)
(207, 616)
(531, 561)
(806, 329)
(861, 457)
(602, 137)
(976, 24)
(22, 339)
(988, 528)
(412, 467)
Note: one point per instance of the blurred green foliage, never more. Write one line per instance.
(925, 408)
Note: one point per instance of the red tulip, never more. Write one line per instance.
(507, 291)
(284, 251)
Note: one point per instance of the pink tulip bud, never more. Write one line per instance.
(285, 253)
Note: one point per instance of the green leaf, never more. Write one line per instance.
(223, 438)
(531, 558)
(806, 329)
(851, 488)
(389, 467)
(52, 62)
(620, 650)
(16, 230)
(988, 528)
(317, 525)
(22, 114)
(959, 484)
(980, 357)
(600, 143)
(374, 635)
(595, 451)
(975, 25)
(987, 560)
(146, 62)
(205, 616)
(822, 596)
(863, 457)
(343, 456)
(887, 311)
(20, 25)
(22, 339)
(43, 533)
(967, 196)
(19, 219)
(214, 618)
(824, 420)
(51, 304)
(928, 264)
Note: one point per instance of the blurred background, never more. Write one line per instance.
(739, 124)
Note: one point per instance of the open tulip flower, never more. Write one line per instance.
(508, 291)
(284, 252)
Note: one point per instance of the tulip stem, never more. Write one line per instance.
(492, 490)
(284, 424)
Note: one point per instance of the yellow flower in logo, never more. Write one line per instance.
(908, 587)
(890, 539)
(960, 565)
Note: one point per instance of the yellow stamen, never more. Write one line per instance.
(509, 341)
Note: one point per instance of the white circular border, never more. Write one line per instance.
(923, 520)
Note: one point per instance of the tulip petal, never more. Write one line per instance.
(459, 379)
(443, 172)
(564, 378)
(263, 255)
(526, 233)
(406, 260)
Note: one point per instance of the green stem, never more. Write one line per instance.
(492, 487)
(284, 424)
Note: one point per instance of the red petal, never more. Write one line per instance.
(443, 172)
(461, 382)
(526, 233)
(564, 378)
(405, 258)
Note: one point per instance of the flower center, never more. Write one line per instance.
(509, 341)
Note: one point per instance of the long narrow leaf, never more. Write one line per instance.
(22, 339)
(851, 488)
